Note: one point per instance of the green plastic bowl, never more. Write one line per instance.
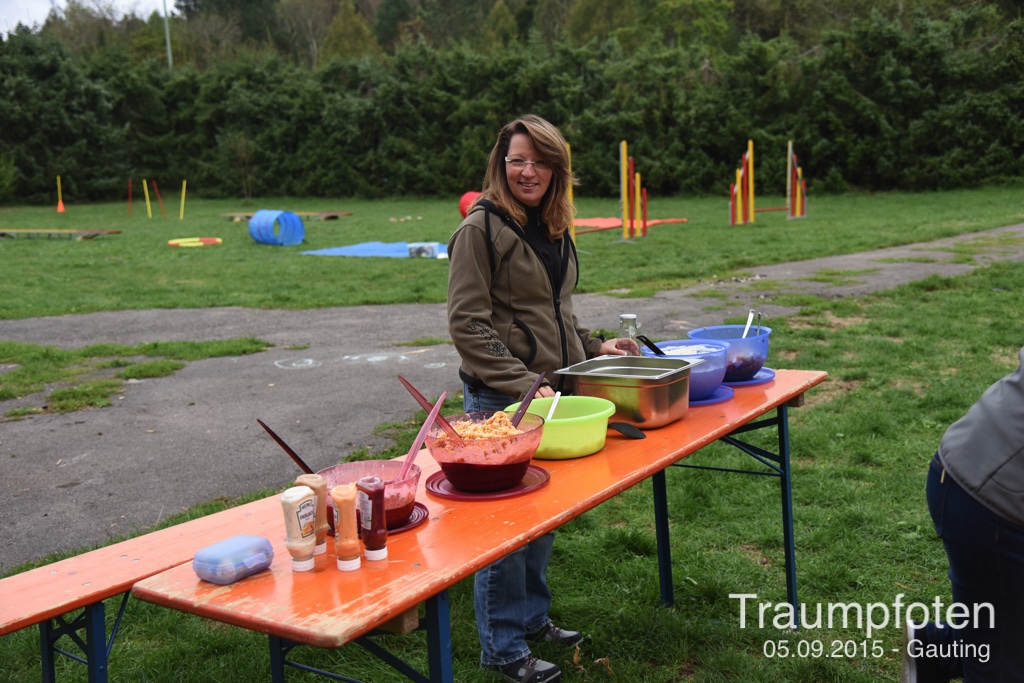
(578, 427)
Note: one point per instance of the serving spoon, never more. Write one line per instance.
(554, 404)
(517, 417)
(627, 429)
(651, 345)
(750, 319)
(426, 405)
(287, 449)
(417, 444)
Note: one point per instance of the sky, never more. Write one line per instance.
(31, 12)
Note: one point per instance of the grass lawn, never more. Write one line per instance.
(136, 269)
(903, 365)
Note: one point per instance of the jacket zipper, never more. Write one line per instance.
(556, 297)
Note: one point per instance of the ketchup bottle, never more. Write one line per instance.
(373, 517)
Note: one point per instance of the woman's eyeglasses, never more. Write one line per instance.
(520, 164)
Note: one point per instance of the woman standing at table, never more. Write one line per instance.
(512, 272)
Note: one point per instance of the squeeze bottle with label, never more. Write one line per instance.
(373, 519)
(318, 483)
(299, 505)
(346, 533)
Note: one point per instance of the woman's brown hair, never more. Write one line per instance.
(556, 210)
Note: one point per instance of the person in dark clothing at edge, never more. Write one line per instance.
(975, 494)
(513, 269)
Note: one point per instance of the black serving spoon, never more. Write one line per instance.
(649, 344)
(627, 429)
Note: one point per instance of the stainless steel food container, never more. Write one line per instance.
(647, 391)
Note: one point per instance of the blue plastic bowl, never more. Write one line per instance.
(745, 356)
(707, 376)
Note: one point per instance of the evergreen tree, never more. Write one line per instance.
(390, 16)
(350, 36)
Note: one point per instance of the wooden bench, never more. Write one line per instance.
(46, 595)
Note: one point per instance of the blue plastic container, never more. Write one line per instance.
(289, 228)
(233, 559)
(745, 356)
(707, 376)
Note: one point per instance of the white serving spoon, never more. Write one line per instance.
(554, 404)
(750, 319)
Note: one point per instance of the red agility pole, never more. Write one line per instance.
(159, 199)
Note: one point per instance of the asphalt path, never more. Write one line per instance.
(73, 481)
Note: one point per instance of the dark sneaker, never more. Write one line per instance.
(555, 635)
(919, 669)
(908, 667)
(531, 670)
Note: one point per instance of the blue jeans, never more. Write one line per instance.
(511, 596)
(986, 565)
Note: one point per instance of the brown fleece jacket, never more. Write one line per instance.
(508, 321)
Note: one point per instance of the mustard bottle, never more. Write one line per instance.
(299, 505)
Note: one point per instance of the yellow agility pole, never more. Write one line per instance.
(60, 198)
(801, 197)
(750, 181)
(624, 183)
(572, 225)
(740, 215)
(149, 207)
(181, 212)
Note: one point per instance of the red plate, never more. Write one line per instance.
(419, 516)
(536, 476)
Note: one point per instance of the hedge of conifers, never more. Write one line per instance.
(877, 107)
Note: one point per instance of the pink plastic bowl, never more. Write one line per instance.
(399, 496)
(484, 465)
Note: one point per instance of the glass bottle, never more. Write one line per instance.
(628, 329)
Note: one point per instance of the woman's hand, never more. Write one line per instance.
(545, 391)
(620, 346)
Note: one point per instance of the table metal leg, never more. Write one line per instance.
(95, 649)
(787, 508)
(439, 638)
(46, 652)
(278, 648)
(661, 533)
(778, 466)
(439, 649)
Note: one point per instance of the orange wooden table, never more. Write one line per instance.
(328, 608)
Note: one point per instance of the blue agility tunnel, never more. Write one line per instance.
(289, 228)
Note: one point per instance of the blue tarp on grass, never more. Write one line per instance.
(387, 249)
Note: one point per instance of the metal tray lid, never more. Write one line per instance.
(653, 368)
